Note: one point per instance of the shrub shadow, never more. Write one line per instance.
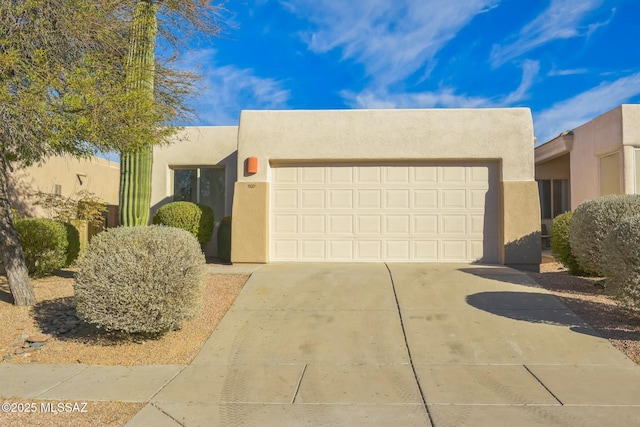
(611, 321)
(529, 307)
(58, 318)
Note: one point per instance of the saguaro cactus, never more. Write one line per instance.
(135, 165)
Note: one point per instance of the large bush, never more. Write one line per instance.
(622, 266)
(560, 244)
(73, 243)
(592, 221)
(140, 279)
(44, 244)
(195, 218)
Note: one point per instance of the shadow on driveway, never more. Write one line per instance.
(529, 307)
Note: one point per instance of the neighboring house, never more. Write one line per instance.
(598, 158)
(364, 185)
(66, 176)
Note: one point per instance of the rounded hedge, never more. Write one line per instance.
(592, 221)
(622, 266)
(140, 280)
(73, 243)
(560, 244)
(44, 244)
(195, 218)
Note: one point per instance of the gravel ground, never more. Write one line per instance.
(84, 344)
(591, 303)
(95, 414)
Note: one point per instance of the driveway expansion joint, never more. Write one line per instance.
(406, 343)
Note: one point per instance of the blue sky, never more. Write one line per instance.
(567, 60)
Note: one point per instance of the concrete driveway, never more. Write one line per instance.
(399, 345)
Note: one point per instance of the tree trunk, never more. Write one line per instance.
(10, 249)
(135, 168)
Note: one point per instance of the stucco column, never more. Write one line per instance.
(628, 170)
(250, 223)
(520, 234)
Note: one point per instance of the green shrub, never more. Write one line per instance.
(195, 218)
(592, 221)
(622, 266)
(73, 243)
(142, 280)
(44, 244)
(560, 245)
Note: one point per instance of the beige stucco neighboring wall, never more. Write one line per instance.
(593, 140)
(631, 144)
(503, 135)
(197, 146)
(96, 175)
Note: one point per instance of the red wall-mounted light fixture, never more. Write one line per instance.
(252, 165)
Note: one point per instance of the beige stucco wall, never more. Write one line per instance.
(196, 146)
(594, 139)
(503, 135)
(615, 131)
(631, 143)
(98, 176)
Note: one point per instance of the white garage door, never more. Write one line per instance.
(422, 213)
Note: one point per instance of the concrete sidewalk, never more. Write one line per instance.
(374, 345)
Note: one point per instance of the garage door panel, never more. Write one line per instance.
(369, 224)
(285, 249)
(313, 250)
(369, 250)
(476, 224)
(341, 250)
(340, 224)
(397, 175)
(453, 250)
(285, 199)
(454, 175)
(477, 199)
(425, 199)
(368, 175)
(285, 224)
(396, 250)
(340, 175)
(425, 224)
(285, 175)
(312, 224)
(425, 250)
(397, 199)
(425, 175)
(368, 199)
(397, 224)
(453, 199)
(454, 224)
(313, 175)
(479, 174)
(340, 199)
(423, 213)
(312, 199)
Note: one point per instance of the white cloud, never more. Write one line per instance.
(561, 20)
(445, 97)
(227, 89)
(573, 112)
(568, 72)
(391, 39)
